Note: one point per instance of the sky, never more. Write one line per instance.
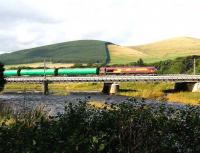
(31, 23)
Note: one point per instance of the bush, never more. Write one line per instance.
(127, 127)
(2, 80)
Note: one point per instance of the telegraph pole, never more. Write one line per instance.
(194, 66)
(44, 69)
(45, 82)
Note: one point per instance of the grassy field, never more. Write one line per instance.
(35, 65)
(158, 51)
(154, 91)
(171, 48)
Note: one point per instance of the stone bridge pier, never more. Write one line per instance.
(110, 88)
(187, 86)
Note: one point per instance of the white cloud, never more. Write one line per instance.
(30, 23)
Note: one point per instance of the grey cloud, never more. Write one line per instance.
(8, 44)
(19, 12)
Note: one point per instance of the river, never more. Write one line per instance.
(54, 104)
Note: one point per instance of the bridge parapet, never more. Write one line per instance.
(112, 78)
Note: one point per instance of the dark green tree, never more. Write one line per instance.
(140, 62)
(2, 80)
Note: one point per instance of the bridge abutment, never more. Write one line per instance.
(110, 88)
(187, 86)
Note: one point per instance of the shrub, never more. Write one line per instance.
(2, 80)
(126, 127)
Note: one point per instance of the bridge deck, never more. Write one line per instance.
(109, 78)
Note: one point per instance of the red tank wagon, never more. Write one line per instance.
(127, 70)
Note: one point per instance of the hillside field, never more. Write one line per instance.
(36, 65)
(102, 52)
(154, 52)
(82, 51)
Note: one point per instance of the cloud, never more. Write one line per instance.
(31, 23)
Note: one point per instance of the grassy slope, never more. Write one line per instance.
(119, 54)
(167, 49)
(171, 48)
(83, 51)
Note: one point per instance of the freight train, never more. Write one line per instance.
(125, 70)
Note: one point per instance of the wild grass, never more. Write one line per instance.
(184, 97)
(145, 90)
(54, 87)
(22, 87)
(5, 115)
(9, 117)
(158, 91)
(77, 86)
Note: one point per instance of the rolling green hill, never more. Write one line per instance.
(82, 51)
(94, 51)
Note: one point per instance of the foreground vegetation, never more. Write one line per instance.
(126, 127)
(154, 91)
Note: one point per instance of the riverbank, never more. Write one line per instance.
(152, 91)
(133, 126)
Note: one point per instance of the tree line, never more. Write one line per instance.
(180, 65)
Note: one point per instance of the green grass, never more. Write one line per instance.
(82, 51)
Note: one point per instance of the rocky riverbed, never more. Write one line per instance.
(54, 104)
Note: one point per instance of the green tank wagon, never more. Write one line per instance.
(78, 71)
(37, 72)
(8, 73)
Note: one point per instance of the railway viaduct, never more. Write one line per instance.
(182, 82)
